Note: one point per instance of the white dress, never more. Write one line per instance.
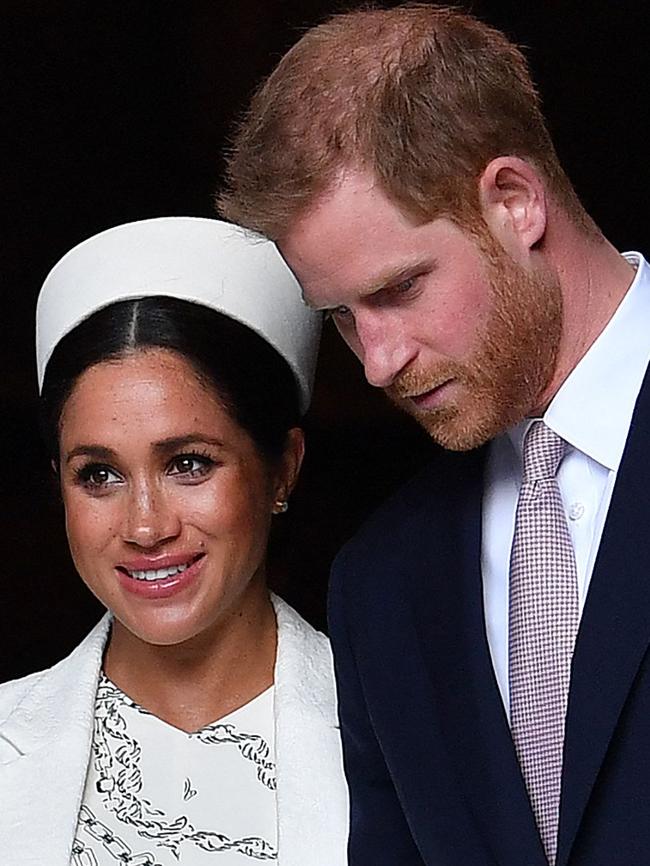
(47, 720)
(158, 796)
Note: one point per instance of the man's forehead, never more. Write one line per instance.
(331, 281)
(319, 277)
(353, 214)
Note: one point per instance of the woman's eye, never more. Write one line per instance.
(95, 476)
(191, 465)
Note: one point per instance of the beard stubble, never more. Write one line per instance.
(513, 363)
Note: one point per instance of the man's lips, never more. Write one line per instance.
(431, 398)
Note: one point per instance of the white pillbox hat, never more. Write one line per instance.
(206, 261)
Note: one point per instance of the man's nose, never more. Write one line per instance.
(150, 518)
(383, 349)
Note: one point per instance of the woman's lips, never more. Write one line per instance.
(160, 578)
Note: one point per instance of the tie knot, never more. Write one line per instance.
(543, 451)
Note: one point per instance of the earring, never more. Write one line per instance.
(280, 506)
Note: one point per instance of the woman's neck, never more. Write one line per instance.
(191, 684)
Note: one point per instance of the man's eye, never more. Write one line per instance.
(405, 286)
(341, 312)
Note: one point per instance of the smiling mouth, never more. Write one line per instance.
(154, 574)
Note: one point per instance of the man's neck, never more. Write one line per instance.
(594, 278)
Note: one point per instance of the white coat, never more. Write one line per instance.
(46, 725)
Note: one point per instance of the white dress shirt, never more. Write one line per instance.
(592, 411)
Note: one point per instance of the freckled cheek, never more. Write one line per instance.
(195, 506)
(453, 326)
(90, 530)
(224, 510)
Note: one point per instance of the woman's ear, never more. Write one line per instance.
(513, 203)
(292, 458)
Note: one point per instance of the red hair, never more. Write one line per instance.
(423, 96)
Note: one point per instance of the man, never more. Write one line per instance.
(491, 622)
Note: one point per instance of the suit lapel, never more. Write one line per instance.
(615, 628)
(311, 795)
(51, 732)
(451, 621)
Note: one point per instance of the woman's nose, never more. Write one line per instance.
(150, 519)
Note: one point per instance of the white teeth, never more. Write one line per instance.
(158, 573)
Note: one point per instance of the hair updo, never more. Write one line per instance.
(250, 378)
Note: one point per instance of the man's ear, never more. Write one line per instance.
(513, 203)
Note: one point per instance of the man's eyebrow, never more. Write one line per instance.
(386, 279)
(393, 276)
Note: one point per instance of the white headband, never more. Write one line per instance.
(206, 261)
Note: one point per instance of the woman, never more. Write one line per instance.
(196, 724)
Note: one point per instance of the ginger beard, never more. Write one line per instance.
(504, 378)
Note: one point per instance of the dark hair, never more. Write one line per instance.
(252, 380)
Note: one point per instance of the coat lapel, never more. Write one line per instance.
(50, 730)
(312, 795)
(451, 622)
(615, 628)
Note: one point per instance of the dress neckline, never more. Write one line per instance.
(114, 692)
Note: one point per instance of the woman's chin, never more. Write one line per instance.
(161, 628)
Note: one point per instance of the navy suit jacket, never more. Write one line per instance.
(433, 774)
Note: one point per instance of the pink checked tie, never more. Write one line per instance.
(543, 627)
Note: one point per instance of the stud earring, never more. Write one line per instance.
(280, 506)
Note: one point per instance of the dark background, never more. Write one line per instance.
(114, 112)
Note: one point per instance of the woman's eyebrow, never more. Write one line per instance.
(164, 446)
(97, 452)
(174, 443)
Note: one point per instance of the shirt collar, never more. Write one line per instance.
(593, 409)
